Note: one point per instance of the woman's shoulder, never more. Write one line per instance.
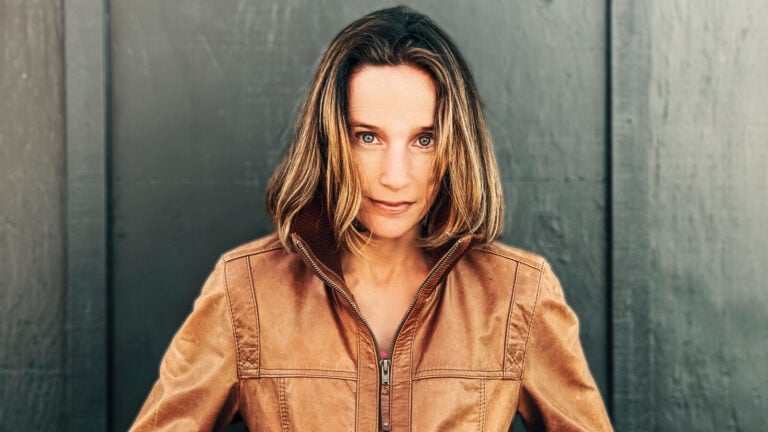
(266, 244)
(527, 269)
(529, 274)
(506, 254)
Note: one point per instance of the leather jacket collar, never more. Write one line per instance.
(313, 237)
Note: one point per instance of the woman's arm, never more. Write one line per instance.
(558, 391)
(198, 385)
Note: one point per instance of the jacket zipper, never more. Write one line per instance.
(339, 290)
(385, 365)
(421, 288)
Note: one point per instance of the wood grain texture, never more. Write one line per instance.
(631, 287)
(690, 216)
(86, 216)
(32, 307)
(709, 111)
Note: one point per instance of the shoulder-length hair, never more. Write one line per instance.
(319, 161)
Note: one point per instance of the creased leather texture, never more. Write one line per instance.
(274, 336)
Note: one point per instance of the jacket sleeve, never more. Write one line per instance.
(558, 392)
(197, 389)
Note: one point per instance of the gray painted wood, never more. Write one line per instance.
(86, 301)
(631, 150)
(32, 289)
(204, 98)
(690, 142)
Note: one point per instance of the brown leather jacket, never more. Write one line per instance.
(275, 336)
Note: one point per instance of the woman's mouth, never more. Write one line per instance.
(391, 207)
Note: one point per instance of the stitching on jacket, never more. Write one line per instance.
(479, 371)
(254, 351)
(498, 377)
(533, 319)
(284, 374)
(232, 319)
(248, 358)
(517, 357)
(509, 257)
(235, 254)
(507, 335)
(482, 406)
(347, 371)
(281, 403)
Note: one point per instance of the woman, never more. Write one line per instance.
(382, 302)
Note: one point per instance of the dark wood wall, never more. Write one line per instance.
(631, 137)
(32, 216)
(689, 150)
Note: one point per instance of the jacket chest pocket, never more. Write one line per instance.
(462, 403)
(298, 403)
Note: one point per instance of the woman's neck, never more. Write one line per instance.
(384, 263)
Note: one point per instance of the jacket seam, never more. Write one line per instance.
(264, 249)
(511, 258)
(232, 321)
(282, 403)
(482, 406)
(499, 377)
(256, 313)
(492, 371)
(509, 320)
(530, 327)
(528, 338)
(308, 370)
(302, 375)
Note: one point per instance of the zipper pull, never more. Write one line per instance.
(385, 366)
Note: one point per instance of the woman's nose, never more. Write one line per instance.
(395, 168)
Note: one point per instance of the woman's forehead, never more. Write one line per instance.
(382, 95)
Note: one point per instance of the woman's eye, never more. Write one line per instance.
(425, 141)
(367, 138)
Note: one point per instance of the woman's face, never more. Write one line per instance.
(392, 111)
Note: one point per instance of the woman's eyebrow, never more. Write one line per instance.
(429, 128)
(364, 126)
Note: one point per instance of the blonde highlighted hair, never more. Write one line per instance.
(319, 162)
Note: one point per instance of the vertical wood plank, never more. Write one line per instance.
(631, 262)
(32, 306)
(85, 33)
(708, 102)
(690, 134)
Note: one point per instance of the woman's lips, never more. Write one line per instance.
(392, 207)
